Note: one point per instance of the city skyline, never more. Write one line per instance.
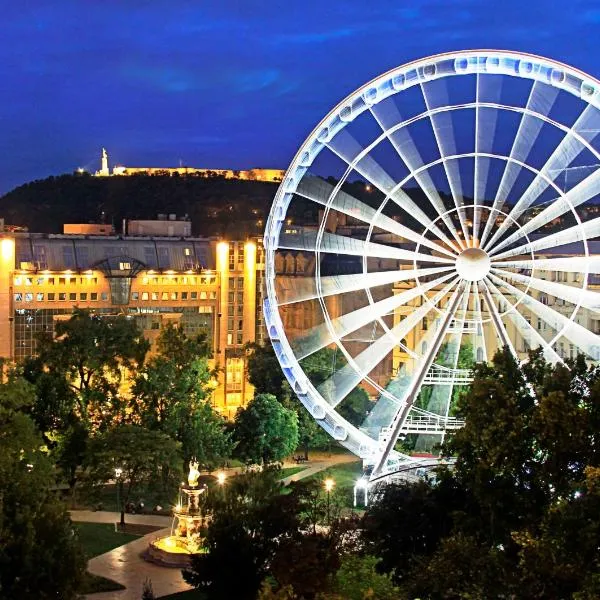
(232, 86)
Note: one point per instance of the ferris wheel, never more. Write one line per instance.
(445, 209)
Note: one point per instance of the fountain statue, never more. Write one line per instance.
(185, 539)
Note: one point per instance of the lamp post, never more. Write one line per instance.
(329, 485)
(118, 473)
(221, 477)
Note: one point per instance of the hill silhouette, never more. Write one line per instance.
(216, 206)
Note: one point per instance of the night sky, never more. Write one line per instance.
(229, 84)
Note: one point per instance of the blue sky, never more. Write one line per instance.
(229, 84)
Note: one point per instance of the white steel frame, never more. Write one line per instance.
(510, 245)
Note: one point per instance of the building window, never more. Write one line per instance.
(61, 281)
(39, 297)
(18, 280)
(28, 281)
(230, 323)
(72, 296)
(144, 295)
(155, 325)
(184, 295)
(94, 296)
(28, 297)
(18, 297)
(202, 295)
(238, 337)
(229, 339)
(50, 280)
(62, 296)
(51, 296)
(213, 295)
(173, 295)
(135, 295)
(154, 295)
(83, 296)
(193, 295)
(104, 296)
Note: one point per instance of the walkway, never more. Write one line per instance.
(125, 564)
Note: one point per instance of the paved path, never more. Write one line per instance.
(125, 564)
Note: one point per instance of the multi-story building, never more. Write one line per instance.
(201, 284)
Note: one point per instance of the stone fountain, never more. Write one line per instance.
(176, 549)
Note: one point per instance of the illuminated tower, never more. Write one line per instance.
(104, 164)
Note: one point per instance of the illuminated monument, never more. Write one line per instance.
(476, 227)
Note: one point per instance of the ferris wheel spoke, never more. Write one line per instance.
(479, 329)
(527, 332)
(584, 297)
(582, 338)
(300, 289)
(501, 332)
(540, 101)
(408, 152)
(563, 155)
(442, 122)
(411, 392)
(326, 333)
(338, 244)
(319, 191)
(581, 193)
(577, 233)
(337, 387)
(353, 154)
(573, 264)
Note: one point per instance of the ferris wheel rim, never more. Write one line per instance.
(287, 187)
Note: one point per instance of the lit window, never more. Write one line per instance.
(18, 297)
(187, 251)
(164, 296)
(61, 281)
(28, 297)
(39, 281)
(213, 295)
(28, 281)
(145, 280)
(144, 295)
(104, 296)
(124, 266)
(135, 295)
(202, 295)
(173, 295)
(18, 280)
(39, 297)
(230, 339)
(154, 295)
(51, 281)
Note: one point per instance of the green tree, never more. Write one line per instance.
(139, 453)
(83, 361)
(250, 519)
(40, 557)
(358, 579)
(265, 431)
(172, 394)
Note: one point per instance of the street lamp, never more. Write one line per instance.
(361, 484)
(221, 477)
(329, 485)
(118, 473)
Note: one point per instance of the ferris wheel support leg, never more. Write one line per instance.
(417, 381)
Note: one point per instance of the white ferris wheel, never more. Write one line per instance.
(443, 210)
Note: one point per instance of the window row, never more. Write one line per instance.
(44, 280)
(174, 295)
(183, 280)
(60, 296)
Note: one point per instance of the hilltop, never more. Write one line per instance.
(215, 205)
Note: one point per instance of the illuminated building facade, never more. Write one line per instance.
(200, 284)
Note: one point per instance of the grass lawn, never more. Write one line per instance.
(292, 471)
(94, 583)
(98, 538)
(345, 476)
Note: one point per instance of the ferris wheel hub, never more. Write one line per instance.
(473, 264)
